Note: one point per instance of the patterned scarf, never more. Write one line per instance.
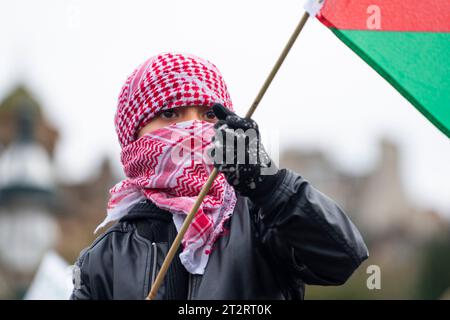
(170, 165)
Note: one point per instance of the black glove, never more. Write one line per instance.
(240, 156)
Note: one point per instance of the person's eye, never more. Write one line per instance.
(209, 115)
(168, 114)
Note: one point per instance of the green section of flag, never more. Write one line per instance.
(417, 64)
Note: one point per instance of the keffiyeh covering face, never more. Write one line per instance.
(169, 166)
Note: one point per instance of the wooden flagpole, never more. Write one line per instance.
(204, 191)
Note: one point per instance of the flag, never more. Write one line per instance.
(406, 41)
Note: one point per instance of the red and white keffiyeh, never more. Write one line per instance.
(169, 166)
(164, 82)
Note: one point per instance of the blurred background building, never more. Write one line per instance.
(402, 239)
(39, 213)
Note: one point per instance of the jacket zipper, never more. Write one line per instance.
(155, 259)
(189, 286)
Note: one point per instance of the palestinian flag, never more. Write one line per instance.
(406, 41)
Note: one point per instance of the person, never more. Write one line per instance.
(260, 233)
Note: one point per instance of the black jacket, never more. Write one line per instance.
(276, 244)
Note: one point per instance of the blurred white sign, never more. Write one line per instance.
(53, 280)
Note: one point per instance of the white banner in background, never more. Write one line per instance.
(53, 280)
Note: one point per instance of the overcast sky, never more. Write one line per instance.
(75, 55)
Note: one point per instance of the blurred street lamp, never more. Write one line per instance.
(27, 194)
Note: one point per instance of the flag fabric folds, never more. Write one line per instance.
(406, 41)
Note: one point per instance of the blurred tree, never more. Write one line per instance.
(434, 277)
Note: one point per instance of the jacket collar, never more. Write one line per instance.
(146, 209)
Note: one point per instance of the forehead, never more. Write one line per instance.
(198, 107)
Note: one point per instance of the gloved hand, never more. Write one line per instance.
(239, 154)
